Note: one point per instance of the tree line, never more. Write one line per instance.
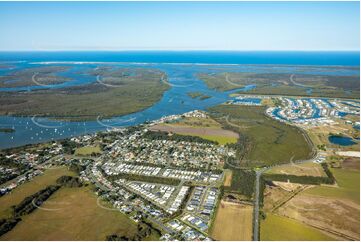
(32, 202)
(26, 206)
(310, 180)
(69, 181)
(155, 135)
(242, 182)
(144, 229)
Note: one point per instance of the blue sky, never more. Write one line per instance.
(179, 25)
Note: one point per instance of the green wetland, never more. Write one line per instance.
(66, 99)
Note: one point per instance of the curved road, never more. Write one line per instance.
(261, 171)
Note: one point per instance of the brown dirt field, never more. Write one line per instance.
(233, 222)
(272, 195)
(228, 178)
(290, 187)
(304, 169)
(337, 216)
(351, 163)
(194, 130)
(73, 214)
(276, 195)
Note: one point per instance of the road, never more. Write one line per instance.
(257, 190)
(256, 205)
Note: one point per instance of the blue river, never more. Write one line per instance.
(181, 68)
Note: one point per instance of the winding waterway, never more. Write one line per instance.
(182, 79)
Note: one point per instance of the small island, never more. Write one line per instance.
(198, 95)
(7, 130)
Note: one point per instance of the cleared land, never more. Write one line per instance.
(274, 196)
(332, 209)
(280, 228)
(263, 141)
(233, 222)
(40, 182)
(351, 163)
(339, 217)
(120, 91)
(88, 150)
(205, 128)
(304, 169)
(227, 178)
(283, 84)
(74, 215)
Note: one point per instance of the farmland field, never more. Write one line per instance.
(28, 188)
(323, 206)
(275, 228)
(324, 213)
(73, 214)
(348, 186)
(233, 222)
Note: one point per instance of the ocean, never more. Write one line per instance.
(349, 58)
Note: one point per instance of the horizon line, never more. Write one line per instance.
(178, 50)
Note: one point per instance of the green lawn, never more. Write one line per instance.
(348, 182)
(88, 150)
(277, 228)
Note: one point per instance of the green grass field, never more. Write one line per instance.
(88, 150)
(205, 128)
(40, 182)
(277, 228)
(268, 141)
(348, 182)
(73, 214)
